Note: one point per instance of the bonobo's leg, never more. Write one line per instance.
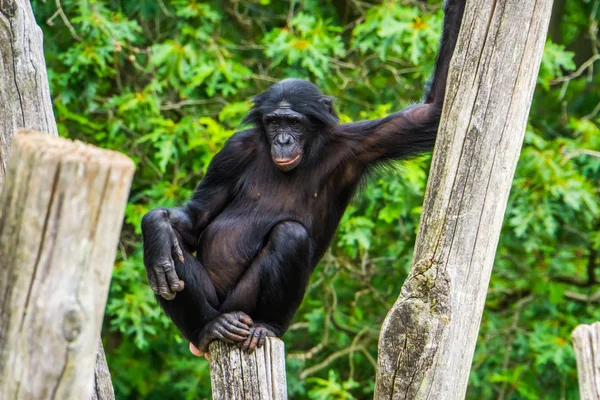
(453, 13)
(195, 309)
(274, 285)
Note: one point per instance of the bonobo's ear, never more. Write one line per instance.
(327, 101)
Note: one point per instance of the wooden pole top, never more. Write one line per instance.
(68, 150)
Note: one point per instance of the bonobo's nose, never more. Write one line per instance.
(284, 140)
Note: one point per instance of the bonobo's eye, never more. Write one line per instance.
(295, 123)
(271, 122)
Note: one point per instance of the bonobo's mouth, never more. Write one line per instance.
(283, 162)
(287, 164)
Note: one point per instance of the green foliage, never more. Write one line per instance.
(167, 82)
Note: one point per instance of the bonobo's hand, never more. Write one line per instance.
(161, 248)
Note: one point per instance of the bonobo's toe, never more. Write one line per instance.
(195, 351)
(230, 327)
(256, 338)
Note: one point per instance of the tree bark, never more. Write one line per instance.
(24, 92)
(102, 388)
(61, 213)
(25, 103)
(428, 337)
(586, 341)
(236, 375)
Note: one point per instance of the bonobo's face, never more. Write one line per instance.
(292, 113)
(286, 131)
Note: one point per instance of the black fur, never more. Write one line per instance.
(257, 232)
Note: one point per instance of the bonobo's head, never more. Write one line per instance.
(291, 113)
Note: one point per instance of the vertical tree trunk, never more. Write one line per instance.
(102, 387)
(24, 93)
(61, 213)
(236, 375)
(428, 337)
(25, 103)
(586, 341)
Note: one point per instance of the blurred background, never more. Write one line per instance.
(167, 82)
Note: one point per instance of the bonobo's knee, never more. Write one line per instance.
(154, 216)
(290, 234)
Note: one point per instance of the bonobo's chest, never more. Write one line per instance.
(317, 199)
(288, 197)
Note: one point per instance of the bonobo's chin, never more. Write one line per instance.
(288, 163)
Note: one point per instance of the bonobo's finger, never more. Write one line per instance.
(152, 280)
(173, 279)
(220, 335)
(177, 251)
(245, 318)
(163, 287)
(241, 333)
(232, 336)
(232, 320)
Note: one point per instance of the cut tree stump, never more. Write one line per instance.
(586, 341)
(25, 103)
(237, 375)
(61, 212)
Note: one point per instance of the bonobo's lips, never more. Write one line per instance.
(284, 162)
(287, 164)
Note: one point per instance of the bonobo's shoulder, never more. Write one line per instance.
(240, 148)
(246, 134)
(241, 140)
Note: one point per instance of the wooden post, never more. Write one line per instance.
(25, 103)
(428, 337)
(236, 375)
(61, 213)
(586, 341)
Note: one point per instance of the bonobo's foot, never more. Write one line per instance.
(257, 337)
(231, 328)
(194, 350)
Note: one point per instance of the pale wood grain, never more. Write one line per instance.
(586, 341)
(236, 375)
(428, 337)
(61, 212)
(25, 103)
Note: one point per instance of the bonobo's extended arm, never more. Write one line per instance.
(169, 232)
(413, 130)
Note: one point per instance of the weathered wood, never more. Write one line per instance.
(428, 337)
(61, 213)
(236, 375)
(24, 92)
(102, 388)
(25, 102)
(586, 341)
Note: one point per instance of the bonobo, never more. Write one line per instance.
(233, 263)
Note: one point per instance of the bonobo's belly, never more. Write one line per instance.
(230, 243)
